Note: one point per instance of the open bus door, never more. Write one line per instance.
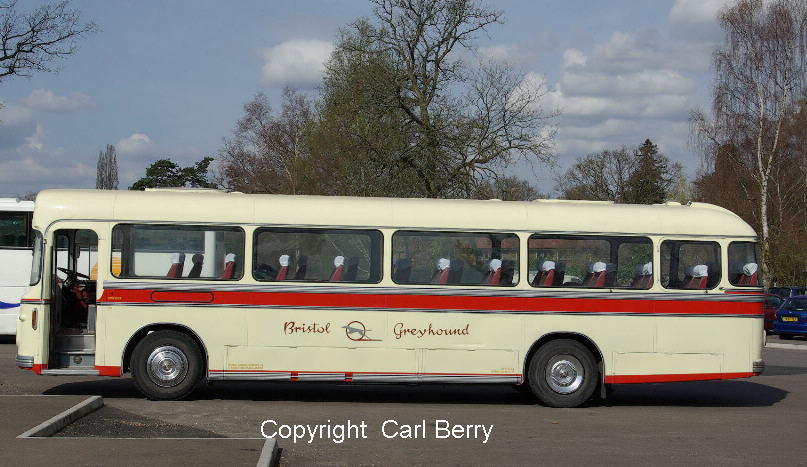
(74, 259)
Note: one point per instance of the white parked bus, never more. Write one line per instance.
(560, 297)
(16, 242)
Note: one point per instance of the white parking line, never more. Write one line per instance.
(772, 345)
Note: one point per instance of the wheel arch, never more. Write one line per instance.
(135, 338)
(575, 336)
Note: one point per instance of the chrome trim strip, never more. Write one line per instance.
(574, 293)
(431, 310)
(70, 372)
(24, 361)
(360, 377)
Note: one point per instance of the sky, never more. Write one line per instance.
(169, 79)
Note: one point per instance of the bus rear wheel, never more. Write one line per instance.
(166, 365)
(563, 373)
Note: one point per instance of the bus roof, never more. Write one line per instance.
(15, 204)
(214, 206)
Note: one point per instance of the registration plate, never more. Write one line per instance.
(789, 318)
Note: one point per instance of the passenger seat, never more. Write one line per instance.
(229, 266)
(177, 265)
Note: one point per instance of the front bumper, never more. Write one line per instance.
(790, 328)
(24, 361)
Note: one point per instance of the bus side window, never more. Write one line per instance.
(317, 255)
(743, 267)
(690, 264)
(589, 261)
(455, 258)
(176, 252)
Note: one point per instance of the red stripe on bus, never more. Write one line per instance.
(454, 302)
(108, 370)
(630, 379)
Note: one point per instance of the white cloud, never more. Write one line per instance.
(16, 125)
(134, 145)
(47, 100)
(297, 62)
(35, 140)
(695, 11)
(643, 82)
(573, 57)
(33, 166)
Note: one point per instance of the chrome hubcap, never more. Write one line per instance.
(167, 366)
(564, 374)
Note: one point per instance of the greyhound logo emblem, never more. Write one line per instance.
(357, 331)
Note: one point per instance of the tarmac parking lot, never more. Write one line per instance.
(749, 421)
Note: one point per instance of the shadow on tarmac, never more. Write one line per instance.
(684, 394)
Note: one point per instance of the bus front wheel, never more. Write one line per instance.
(166, 365)
(563, 373)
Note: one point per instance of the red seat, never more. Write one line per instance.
(697, 277)
(177, 265)
(596, 274)
(494, 275)
(338, 269)
(550, 274)
(229, 266)
(750, 275)
(440, 276)
(283, 272)
(642, 276)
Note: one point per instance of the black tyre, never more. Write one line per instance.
(167, 365)
(786, 337)
(563, 373)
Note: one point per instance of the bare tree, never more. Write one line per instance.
(507, 189)
(106, 172)
(456, 137)
(32, 40)
(760, 75)
(600, 177)
(268, 153)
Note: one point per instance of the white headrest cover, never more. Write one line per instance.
(750, 269)
(700, 270)
(338, 261)
(443, 264)
(283, 260)
(647, 269)
(229, 258)
(599, 266)
(547, 266)
(495, 264)
(175, 258)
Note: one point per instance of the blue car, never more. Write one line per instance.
(791, 317)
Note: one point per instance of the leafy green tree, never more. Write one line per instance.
(649, 178)
(165, 173)
(400, 113)
(455, 123)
